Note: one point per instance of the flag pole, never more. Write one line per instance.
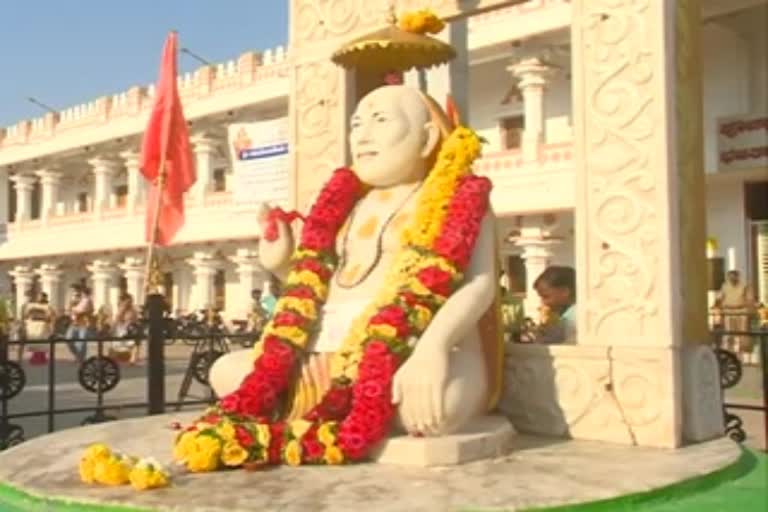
(152, 271)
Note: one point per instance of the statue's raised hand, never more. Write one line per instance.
(276, 245)
(419, 390)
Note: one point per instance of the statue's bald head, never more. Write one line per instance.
(392, 136)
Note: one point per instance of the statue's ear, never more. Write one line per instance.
(431, 140)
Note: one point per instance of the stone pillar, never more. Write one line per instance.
(103, 171)
(5, 200)
(50, 283)
(24, 185)
(532, 76)
(205, 153)
(537, 255)
(185, 288)
(136, 182)
(251, 275)
(133, 269)
(204, 267)
(50, 181)
(103, 275)
(452, 78)
(640, 233)
(23, 277)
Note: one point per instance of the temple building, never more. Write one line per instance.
(72, 198)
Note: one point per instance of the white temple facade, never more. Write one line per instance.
(72, 198)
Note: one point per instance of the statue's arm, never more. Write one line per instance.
(469, 303)
(275, 256)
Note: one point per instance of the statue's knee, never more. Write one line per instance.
(228, 371)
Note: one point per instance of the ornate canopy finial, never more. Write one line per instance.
(401, 46)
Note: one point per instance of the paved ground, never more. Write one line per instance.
(536, 472)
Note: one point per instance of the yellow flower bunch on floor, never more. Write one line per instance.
(148, 474)
(100, 465)
(421, 22)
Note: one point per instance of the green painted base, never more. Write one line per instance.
(742, 486)
(15, 500)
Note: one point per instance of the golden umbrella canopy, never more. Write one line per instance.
(393, 49)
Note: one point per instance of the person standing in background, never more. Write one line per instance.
(81, 313)
(737, 304)
(268, 299)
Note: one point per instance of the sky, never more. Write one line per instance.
(67, 52)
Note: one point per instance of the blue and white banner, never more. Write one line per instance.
(259, 153)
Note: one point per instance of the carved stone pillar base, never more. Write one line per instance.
(615, 394)
(702, 397)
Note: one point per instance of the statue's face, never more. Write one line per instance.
(391, 137)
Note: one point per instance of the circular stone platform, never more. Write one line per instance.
(41, 474)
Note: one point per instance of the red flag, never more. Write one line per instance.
(451, 111)
(166, 148)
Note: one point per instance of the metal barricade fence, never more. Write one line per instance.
(100, 374)
(733, 348)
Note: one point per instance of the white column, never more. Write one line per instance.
(23, 277)
(50, 282)
(133, 269)
(205, 152)
(250, 274)
(103, 274)
(537, 256)
(452, 78)
(185, 288)
(50, 181)
(532, 76)
(204, 267)
(103, 171)
(136, 182)
(5, 199)
(24, 185)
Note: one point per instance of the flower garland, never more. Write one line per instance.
(244, 430)
(100, 465)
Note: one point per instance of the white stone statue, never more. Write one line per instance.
(395, 133)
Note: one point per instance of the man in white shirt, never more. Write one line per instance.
(737, 304)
